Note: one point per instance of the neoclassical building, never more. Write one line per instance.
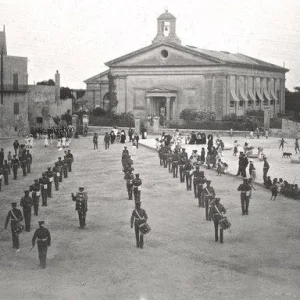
(167, 77)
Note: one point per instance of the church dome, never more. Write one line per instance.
(166, 16)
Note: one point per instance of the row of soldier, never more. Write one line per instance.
(133, 185)
(40, 187)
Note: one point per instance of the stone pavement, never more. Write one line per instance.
(279, 167)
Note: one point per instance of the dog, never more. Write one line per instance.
(286, 154)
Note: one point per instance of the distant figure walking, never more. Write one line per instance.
(297, 145)
(106, 140)
(95, 140)
(282, 142)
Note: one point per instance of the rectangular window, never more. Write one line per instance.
(257, 103)
(231, 103)
(272, 102)
(241, 103)
(15, 81)
(16, 108)
(249, 103)
(39, 120)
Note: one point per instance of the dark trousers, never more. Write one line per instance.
(28, 168)
(200, 198)
(175, 170)
(136, 194)
(43, 255)
(161, 161)
(27, 218)
(170, 166)
(15, 237)
(65, 171)
(44, 196)
(216, 223)
(129, 190)
(243, 172)
(24, 170)
(61, 176)
(139, 237)
(15, 171)
(207, 201)
(165, 162)
(0, 185)
(245, 204)
(36, 203)
(195, 188)
(95, 146)
(188, 182)
(106, 146)
(56, 183)
(49, 190)
(5, 175)
(16, 151)
(181, 173)
(265, 175)
(81, 216)
(70, 166)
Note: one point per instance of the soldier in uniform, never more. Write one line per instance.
(27, 203)
(187, 173)
(43, 237)
(49, 174)
(1, 177)
(81, 205)
(23, 161)
(15, 217)
(44, 187)
(201, 182)
(56, 175)
(28, 157)
(245, 190)
(15, 166)
(208, 194)
(169, 160)
(182, 161)
(138, 217)
(175, 161)
(65, 167)
(216, 214)
(36, 192)
(196, 175)
(137, 182)
(60, 165)
(129, 177)
(70, 160)
(6, 172)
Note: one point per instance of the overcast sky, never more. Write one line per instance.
(78, 37)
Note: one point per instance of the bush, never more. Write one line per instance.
(276, 123)
(255, 113)
(99, 112)
(177, 124)
(230, 117)
(197, 115)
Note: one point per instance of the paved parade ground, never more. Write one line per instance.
(258, 260)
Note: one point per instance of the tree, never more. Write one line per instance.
(66, 93)
(46, 82)
(112, 95)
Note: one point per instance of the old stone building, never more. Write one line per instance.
(167, 77)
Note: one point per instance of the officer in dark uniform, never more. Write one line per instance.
(138, 217)
(81, 205)
(208, 194)
(36, 192)
(65, 167)
(196, 178)
(201, 183)
(49, 174)
(15, 166)
(27, 203)
(70, 160)
(137, 182)
(15, 217)
(44, 187)
(6, 172)
(187, 173)
(175, 161)
(43, 237)
(129, 177)
(245, 190)
(216, 214)
(169, 160)
(29, 161)
(60, 165)
(23, 162)
(183, 157)
(56, 175)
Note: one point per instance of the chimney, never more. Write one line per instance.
(57, 86)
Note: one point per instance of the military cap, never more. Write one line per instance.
(137, 174)
(197, 167)
(125, 147)
(59, 158)
(69, 150)
(208, 181)
(41, 222)
(245, 178)
(26, 192)
(81, 188)
(217, 199)
(49, 168)
(183, 149)
(36, 180)
(14, 204)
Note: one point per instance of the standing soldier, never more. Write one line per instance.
(43, 241)
(175, 161)
(216, 214)
(95, 140)
(245, 190)
(139, 216)
(15, 217)
(6, 172)
(201, 182)
(49, 174)
(44, 187)
(187, 172)
(65, 167)
(59, 165)
(182, 160)
(70, 160)
(266, 168)
(56, 175)
(81, 205)
(129, 178)
(1, 177)
(36, 192)
(196, 178)
(27, 203)
(28, 158)
(137, 183)
(23, 162)
(208, 194)
(15, 166)
(169, 160)
(16, 146)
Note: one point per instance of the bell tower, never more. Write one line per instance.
(166, 29)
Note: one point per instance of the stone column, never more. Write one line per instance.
(174, 108)
(137, 123)
(148, 106)
(168, 107)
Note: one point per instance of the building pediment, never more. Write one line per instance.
(98, 78)
(161, 90)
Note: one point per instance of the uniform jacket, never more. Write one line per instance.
(26, 202)
(214, 211)
(139, 216)
(43, 237)
(81, 201)
(14, 221)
